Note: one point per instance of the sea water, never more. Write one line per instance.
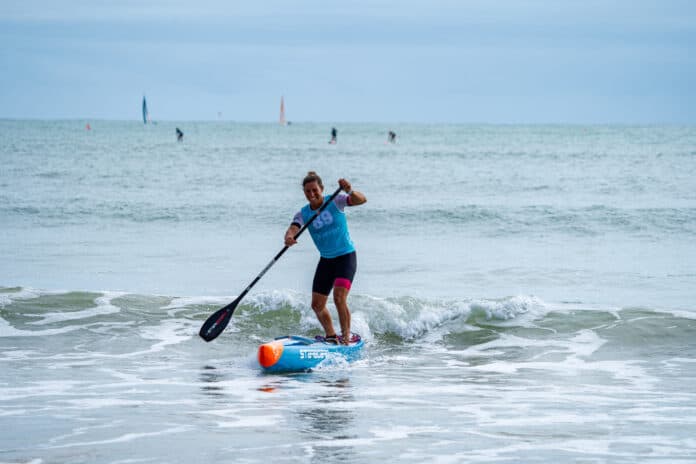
(527, 294)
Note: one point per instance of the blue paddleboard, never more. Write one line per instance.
(293, 353)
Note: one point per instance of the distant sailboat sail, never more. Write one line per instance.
(283, 122)
(146, 114)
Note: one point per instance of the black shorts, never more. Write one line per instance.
(334, 272)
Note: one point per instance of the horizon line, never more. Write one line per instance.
(349, 122)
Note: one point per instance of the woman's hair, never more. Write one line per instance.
(312, 177)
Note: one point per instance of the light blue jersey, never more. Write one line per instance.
(330, 230)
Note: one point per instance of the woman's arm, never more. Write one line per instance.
(356, 198)
(290, 234)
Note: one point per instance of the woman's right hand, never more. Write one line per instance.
(290, 235)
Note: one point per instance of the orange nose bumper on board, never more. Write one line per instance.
(269, 353)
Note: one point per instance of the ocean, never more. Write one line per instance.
(526, 293)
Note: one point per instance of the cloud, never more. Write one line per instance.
(460, 60)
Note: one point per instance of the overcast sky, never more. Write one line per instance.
(490, 61)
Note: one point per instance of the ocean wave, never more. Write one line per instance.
(102, 306)
(592, 220)
(498, 220)
(264, 315)
(75, 211)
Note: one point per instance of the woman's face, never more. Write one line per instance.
(313, 193)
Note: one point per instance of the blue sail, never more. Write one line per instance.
(146, 115)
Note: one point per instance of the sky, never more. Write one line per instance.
(438, 61)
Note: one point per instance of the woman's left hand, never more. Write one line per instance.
(345, 185)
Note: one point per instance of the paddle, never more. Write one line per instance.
(217, 322)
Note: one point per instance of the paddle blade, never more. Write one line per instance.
(217, 322)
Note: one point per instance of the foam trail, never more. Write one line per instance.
(103, 306)
(24, 293)
(126, 437)
(6, 330)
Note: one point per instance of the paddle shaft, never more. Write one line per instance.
(285, 248)
(219, 320)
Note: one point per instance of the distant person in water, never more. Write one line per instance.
(338, 261)
(392, 137)
(179, 135)
(333, 135)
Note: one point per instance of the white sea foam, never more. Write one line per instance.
(25, 293)
(40, 389)
(31, 461)
(16, 355)
(103, 306)
(680, 313)
(359, 324)
(168, 332)
(6, 330)
(276, 299)
(399, 432)
(185, 302)
(584, 343)
(406, 318)
(98, 403)
(411, 318)
(333, 361)
(124, 438)
(253, 421)
(577, 352)
(510, 308)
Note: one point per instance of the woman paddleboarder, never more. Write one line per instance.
(338, 261)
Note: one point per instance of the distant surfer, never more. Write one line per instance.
(391, 137)
(333, 135)
(179, 135)
(338, 261)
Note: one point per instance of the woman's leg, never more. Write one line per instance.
(322, 312)
(340, 295)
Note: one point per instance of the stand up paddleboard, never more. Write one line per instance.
(293, 353)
